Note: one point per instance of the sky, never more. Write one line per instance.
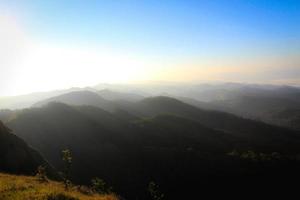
(57, 44)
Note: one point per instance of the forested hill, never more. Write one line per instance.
(17, 157)
(158, 139)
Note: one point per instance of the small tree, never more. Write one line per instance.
(154, 192)
(67, 159)
(41, 174)
(99, 186)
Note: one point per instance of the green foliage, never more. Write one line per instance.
(154, 192)
(99, 186)
(233, 153)
(84, 190)
(254, 156)
(67, 159)
(249, 155)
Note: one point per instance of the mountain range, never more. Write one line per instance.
(161, 139)
(277, 105)
(180, 142)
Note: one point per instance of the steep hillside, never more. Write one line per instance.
(174, 151)
(91, 134)
(29, 188)
(254, 131)
(16, 156)
(6, 115)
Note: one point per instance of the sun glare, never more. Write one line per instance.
(47, 67)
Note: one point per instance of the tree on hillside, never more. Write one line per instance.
(99, 186)
(67, 159)
(154, 192)
(41, 174)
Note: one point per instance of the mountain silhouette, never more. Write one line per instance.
(160, 138)
(17, 157)
(80, 98)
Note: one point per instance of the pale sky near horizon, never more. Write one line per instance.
(55, 44)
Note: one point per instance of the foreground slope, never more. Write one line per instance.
(29, 188)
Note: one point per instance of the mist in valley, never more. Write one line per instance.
(148, 100)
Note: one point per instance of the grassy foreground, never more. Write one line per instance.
(29, 188)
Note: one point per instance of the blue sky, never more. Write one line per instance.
(215, 35)
(188, 27)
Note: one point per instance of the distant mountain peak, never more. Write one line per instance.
(161, 99)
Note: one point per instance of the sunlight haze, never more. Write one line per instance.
(61, 44)
(149, 99)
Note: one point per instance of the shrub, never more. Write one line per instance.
(84, 190)
(99, 186)
(154, 192)
(41, 174)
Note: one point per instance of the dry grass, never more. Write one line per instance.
(29, 188)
